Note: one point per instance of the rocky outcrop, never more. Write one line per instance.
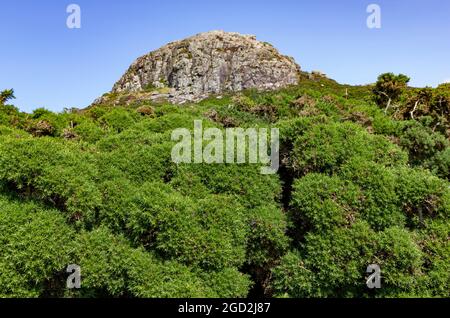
(208, 63)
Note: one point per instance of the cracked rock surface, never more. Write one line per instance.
(208, 63)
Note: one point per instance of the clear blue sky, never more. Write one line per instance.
(52, 66)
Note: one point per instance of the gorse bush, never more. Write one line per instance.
(49, 170)
(366, 213)
(363, 180)
(440, 164)
(325, 148)
(29, 259)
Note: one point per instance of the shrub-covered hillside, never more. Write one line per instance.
(364, 179)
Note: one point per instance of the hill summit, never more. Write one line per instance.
(208, 63)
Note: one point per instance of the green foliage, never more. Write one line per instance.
(266, 239)
(426, 105)
(244, 182)
(380, 205)
(356, 186)
(334, 264)
(320, 203)
(211, 236)
(388, 88)
(422, 143)
(402, 260)
(422, 195)
(89, 131)
(326, 147)
(48, 170)
(367, 214)
(117, 120)
(40, 113)
(111, 267)
(6, 95)
(35, 246)
(440, 164)
(331, 264)
(434, 242)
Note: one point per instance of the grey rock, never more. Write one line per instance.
(214, 62)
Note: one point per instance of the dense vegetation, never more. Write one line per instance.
(364, 180)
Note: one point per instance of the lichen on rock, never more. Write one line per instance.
(209, 63)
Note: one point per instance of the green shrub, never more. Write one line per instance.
(320, 203)
(110, 267)
(89, 131)
(117, 120)
(98, 188)
(401, 261)
(267, 239)
(228, 283)
(48, 170)
(422, 143)
(422, 196)
(440, 164)
(380, 205)
(326, 147)
(244, 182)
(433, 239)
(331, 264)
(36, 244)
(209, 233)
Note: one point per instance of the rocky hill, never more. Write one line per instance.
(208, 63)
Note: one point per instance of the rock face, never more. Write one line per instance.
(208, 63)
